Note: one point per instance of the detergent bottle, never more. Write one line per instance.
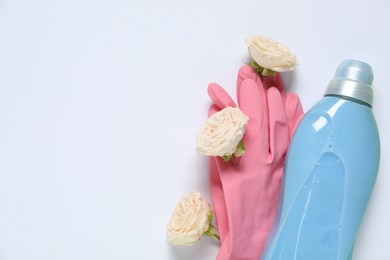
(330, 171)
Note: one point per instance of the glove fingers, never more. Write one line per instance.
(294, 112)
(277, 82)
(247, 72)
(279, 135)
(221, 100)
(220, 97)
(213, 109)
(217, 193)
(251, 103)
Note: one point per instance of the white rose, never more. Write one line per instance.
(222, 133)
(190, 220)
(270, 54)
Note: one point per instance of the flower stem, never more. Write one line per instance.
(212, 232)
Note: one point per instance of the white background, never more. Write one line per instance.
(100, 101)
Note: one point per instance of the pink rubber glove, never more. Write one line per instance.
(245, 192)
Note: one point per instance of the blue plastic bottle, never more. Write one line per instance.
(330, 172)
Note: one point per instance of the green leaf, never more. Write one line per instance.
(240, 150)
(261, 70)
(227, 158)
(212, 231)
(268, 72)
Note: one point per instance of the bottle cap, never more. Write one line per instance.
(353, 79)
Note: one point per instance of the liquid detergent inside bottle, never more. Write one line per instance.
(330, 172)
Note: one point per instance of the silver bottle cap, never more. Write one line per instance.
(353, 79)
